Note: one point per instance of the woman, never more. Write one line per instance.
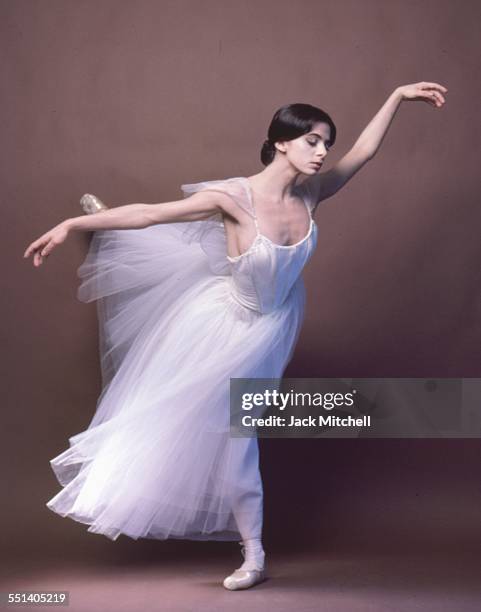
(190, 294)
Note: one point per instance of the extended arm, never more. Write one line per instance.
(196, 207)
(366, 146)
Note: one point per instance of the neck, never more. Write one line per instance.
(276, 181)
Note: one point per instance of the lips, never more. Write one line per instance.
(316, 164)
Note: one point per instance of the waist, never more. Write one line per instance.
(249, 298)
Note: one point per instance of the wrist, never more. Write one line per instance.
(397, 95)
(69, 224)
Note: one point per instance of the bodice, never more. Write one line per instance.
(263, 276)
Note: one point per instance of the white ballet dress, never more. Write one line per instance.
(178, 318)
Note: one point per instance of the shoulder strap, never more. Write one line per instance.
(233, 187)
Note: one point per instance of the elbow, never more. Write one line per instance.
(370, 151)
(148, 216)
(145, 221)
(369, 154)
(364, 151)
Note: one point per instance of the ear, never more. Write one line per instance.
(281, 146)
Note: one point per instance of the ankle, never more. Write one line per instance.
(254, 554)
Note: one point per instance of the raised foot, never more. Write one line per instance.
(92, 204)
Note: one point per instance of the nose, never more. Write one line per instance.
(322, 149)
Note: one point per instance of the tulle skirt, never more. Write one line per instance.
(157, 459)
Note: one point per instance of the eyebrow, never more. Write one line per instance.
(319, 136)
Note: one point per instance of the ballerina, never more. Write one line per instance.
(191, 293)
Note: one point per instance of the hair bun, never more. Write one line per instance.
(267, 152)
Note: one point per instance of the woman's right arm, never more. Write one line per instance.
(196, 207)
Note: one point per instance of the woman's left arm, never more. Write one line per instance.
(326, 184)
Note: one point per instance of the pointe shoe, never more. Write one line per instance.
(244, 579)
(91, 204)
(246, 576)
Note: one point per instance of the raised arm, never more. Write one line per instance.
(196, 207)
(326, 184)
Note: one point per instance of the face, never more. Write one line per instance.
(307, 152)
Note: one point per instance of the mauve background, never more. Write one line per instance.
(127, 100)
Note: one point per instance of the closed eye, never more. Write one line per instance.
(314, 142)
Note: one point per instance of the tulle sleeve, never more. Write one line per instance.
(135, 274)
(210, 233)
(122, 260)
(235, 188)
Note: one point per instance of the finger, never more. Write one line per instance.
(428, 97)
(37, 244)
(48, 247)
(39, 255)
(30, 250)
(434, 86)
(432, 97)
(439, 98)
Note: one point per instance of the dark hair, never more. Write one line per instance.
(292, 121)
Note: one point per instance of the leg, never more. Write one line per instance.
(248, 513)
(247, 488)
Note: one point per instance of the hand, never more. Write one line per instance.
(427, 92)
(43, 246)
